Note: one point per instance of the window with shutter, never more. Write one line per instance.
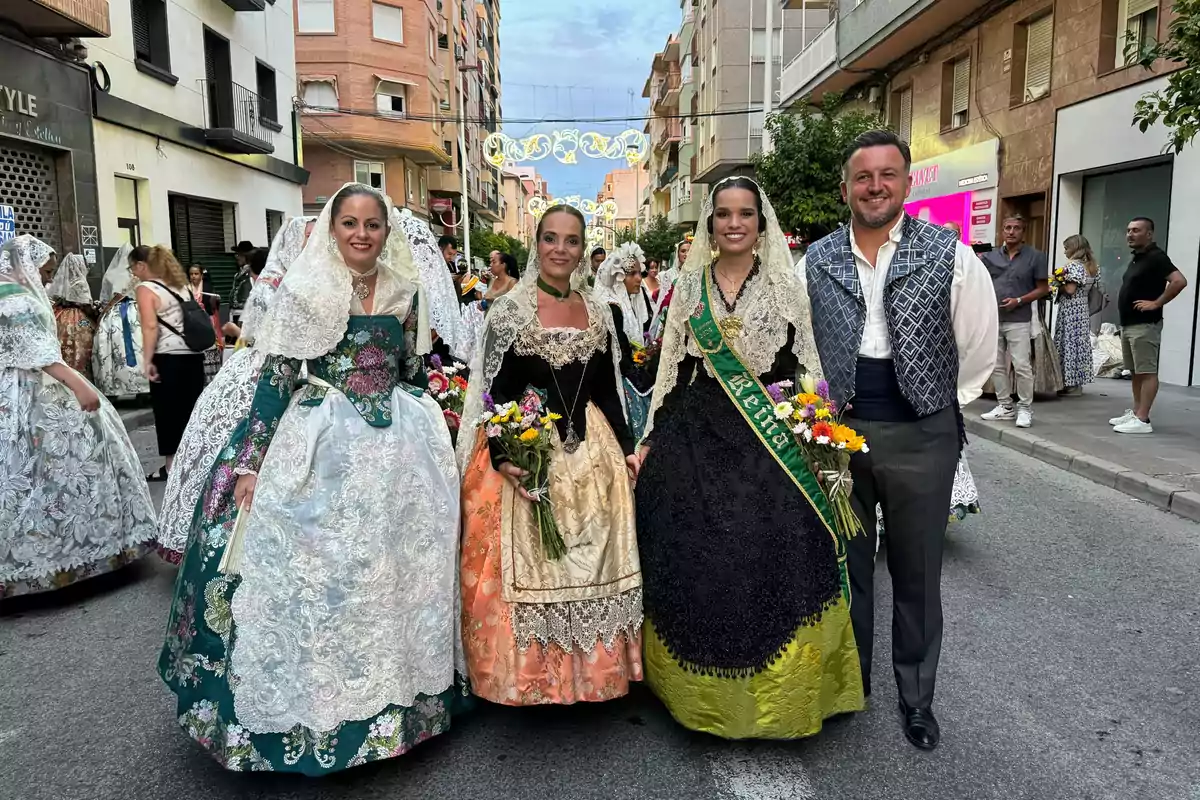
(1039, 45)
(391, 98)
(900, 113)
(1137, 25)
(141, 28)
(314, 16)
(320, 96)
(962, 92)
(387, 23)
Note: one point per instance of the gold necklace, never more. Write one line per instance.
(358, 282)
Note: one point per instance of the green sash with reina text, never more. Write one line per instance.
(750, 397)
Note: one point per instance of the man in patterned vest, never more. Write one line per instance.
(905, 320)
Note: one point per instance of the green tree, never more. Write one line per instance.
(484, 242)
(659, 238)
(803, 172)
(1177, 105)
(628, 233)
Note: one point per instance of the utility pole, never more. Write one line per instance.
(768, 75)
(464, 157)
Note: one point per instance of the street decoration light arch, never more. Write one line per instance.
(566, 146)
(599, 215)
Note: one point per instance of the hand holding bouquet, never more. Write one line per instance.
(827, 444)
(524, 432)
(1058, 279)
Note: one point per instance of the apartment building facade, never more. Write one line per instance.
(1022, 107)
(382, 86)
(625, 187)
(664, 127)
(729, 46)
(195, 136)
(515, 218)
(47, 150)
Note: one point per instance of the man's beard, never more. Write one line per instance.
(877, 219)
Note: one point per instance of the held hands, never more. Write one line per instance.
(634, 464)
(1147, 305)
(1009, 303)
(243, 492)
(89, 399)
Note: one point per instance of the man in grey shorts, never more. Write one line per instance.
(1151, 281)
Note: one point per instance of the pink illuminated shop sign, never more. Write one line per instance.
(923, 176)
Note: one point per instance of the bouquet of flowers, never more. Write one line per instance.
(524, 432)
(1058, 279)
(449, 389)
(827, 444)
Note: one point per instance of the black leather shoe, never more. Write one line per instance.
(920, 727)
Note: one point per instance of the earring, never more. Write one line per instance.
(383, 253)
(331, 246)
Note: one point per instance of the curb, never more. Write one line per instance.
(137, 418)
(1158, 493)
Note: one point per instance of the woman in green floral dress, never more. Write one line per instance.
(315, 629)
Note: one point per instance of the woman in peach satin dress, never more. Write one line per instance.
(538, 630)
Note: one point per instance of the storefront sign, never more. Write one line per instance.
(8, 223)
(15, 100)
(953, 188)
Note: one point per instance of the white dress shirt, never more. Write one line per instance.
(973, 311)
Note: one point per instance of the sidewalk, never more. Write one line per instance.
(1162, 468)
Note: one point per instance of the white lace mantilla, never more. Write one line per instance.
(349, 593)
(577, 625)
(224, 403)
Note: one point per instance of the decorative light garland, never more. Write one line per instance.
(564, 145)
(604, 211)
(599, 215)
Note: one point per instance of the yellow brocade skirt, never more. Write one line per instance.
(538, 632)
(816, 676)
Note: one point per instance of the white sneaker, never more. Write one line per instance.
(1134, 425)
(1001, 413)
(1024, 418)
(1121, 420)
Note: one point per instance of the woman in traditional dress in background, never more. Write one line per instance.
(619, 283)
(538, 630)
(748, 631)
(226, 400)
(651, 282)
(320, 631)
(471, 313)
(74, 313)
(73, 501)
(210, 301)
(117, 348)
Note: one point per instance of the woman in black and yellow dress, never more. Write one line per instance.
(747, 630)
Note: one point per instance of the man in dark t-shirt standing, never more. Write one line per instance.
(1151, 281)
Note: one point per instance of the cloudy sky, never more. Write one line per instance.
(579, 59)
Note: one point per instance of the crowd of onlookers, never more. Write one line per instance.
(1026, 361)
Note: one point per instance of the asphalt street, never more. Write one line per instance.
(1069, 670)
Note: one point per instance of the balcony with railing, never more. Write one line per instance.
(874, 33)
(670, 133)
(233, 119)
(667, 92)
(804, 71)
